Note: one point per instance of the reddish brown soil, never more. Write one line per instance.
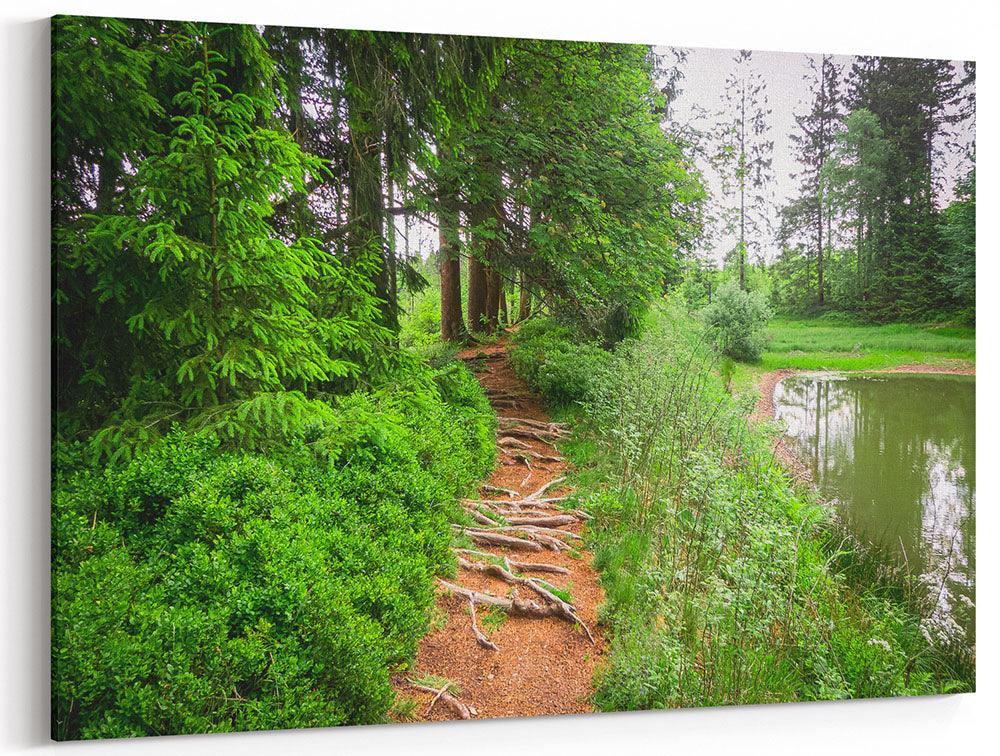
(543, 666)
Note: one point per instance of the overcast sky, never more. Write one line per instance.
(705, 72)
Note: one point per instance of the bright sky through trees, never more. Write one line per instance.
(701, 95)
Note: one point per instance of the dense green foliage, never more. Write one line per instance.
(736, 320)
(561, 367)
(239, 441)
(260, 431)
(203, 590)
(724, 585)
(868, 233)
(243, 427)
(571, 182)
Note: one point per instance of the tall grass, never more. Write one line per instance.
(723, 585)
(823, 344)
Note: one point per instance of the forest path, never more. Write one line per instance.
(542, 664)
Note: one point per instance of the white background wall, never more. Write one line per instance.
(958, 29)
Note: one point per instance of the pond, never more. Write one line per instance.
(896, 454)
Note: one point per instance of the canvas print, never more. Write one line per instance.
(406, 377)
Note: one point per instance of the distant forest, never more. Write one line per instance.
(872, 230)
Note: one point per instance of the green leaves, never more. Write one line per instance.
(215, 303)
(197, 588)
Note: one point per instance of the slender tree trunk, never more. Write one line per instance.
(492, 300)
(504, 316)
(819, 251)
(477, 294)
(743, 212)
(523, 300)
(450, 266)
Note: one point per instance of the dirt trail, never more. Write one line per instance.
(542, 665)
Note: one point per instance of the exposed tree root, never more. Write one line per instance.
(553, 569)
(506, 403)
(498, 489)
(457, 706)
(526, 455)
(536, 530)
(481, 518)
(481, 638)
(555, 605)
(499, 539)
(532, 433)
(535, 495)
(557, 428)
(552, 521)
(488, 356)
(514, 606)
(516, 502)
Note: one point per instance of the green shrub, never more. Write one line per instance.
(723, 584)
(736, 322)
(556, 362)
(200, 589)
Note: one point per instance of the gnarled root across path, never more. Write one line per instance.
(519, 636)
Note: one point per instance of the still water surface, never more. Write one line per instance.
(896, 453)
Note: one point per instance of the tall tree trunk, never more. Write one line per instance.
(452, 328)
(503, 315)
(366, 208)
(477, 274)
(819, 250)
(523, 299)
(743, 188)
(492, 300)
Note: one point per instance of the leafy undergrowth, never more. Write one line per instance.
(203, 588)
(724, 585)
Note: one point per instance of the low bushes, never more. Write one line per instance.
(557, 363)
(737, 322)
(723, 584)
(202, 588)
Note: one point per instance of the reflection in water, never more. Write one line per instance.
(897, 455)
